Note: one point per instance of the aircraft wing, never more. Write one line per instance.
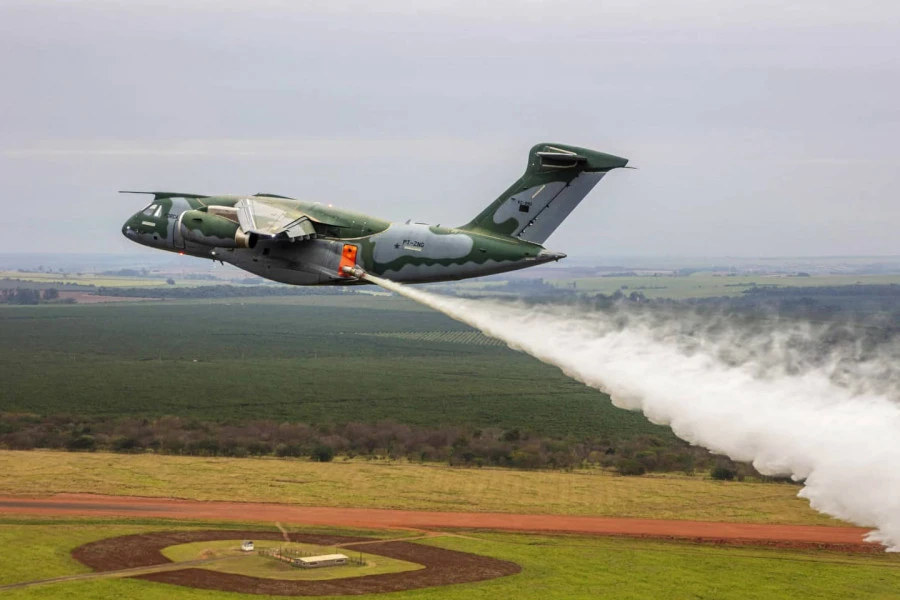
(163, 195)
(274, 217)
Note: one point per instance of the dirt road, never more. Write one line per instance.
(849, 538)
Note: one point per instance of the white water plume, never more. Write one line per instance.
(761, 397)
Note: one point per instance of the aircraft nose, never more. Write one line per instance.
(127, 230)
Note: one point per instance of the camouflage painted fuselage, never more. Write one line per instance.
(307, 243)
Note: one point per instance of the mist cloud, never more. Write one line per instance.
(790, 398)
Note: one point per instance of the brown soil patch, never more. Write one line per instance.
(442, 567)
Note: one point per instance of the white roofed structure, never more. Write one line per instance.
(324, 560)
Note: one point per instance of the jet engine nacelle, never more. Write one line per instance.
(213, 230)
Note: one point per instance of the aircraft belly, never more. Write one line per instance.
(422, 273)
(311, 262)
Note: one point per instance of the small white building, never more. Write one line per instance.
(247, 546)
(325, 560)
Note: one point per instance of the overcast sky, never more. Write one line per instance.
(759, 129)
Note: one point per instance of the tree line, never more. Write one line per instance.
(28, 296)
(454, 445)
(221, 291)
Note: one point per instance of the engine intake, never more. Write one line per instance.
(213, 230)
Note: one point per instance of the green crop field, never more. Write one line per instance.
(326, 359)
(563, 567)
(452, 337)
(706, 285)
(681, 287)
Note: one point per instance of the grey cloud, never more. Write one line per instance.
(758, 129)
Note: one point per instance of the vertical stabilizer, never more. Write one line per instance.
(557, 178)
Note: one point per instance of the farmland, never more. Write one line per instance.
(695, 285)
(309, 359)
(704, 285)
(328, 360)
(62, 280)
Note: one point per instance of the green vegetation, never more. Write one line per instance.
(313, 360)
(392, 484)
(563, 567)
(365, 375)
(450, 444)
(41, 551)
(32, 548)
(577, 567)
(679, 286)
(27, 296)
(453, 337)
(253, 564)
(707, 285)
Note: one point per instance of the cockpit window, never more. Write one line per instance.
(154, 210)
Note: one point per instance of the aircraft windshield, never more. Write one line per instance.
(154, 210)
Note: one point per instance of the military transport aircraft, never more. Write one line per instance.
(310, 243)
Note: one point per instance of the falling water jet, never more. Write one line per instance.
(841, 441)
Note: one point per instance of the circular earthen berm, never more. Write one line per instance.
(442, 567)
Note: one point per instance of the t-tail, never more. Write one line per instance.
(558, 177)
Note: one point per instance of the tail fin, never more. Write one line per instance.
(558, 177)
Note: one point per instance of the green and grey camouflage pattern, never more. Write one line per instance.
(310, 243)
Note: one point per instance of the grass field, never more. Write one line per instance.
(553, 567)
(254, 565)
(314, 359)
(372, 484)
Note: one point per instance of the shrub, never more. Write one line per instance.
(259, 448)
(81, 443)
(722, 473)
(125, 444)
(284, 450)
(203, 447)
(630, 466)
(323, 453)
(526, 459)
(512, 435)
(648, 459)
